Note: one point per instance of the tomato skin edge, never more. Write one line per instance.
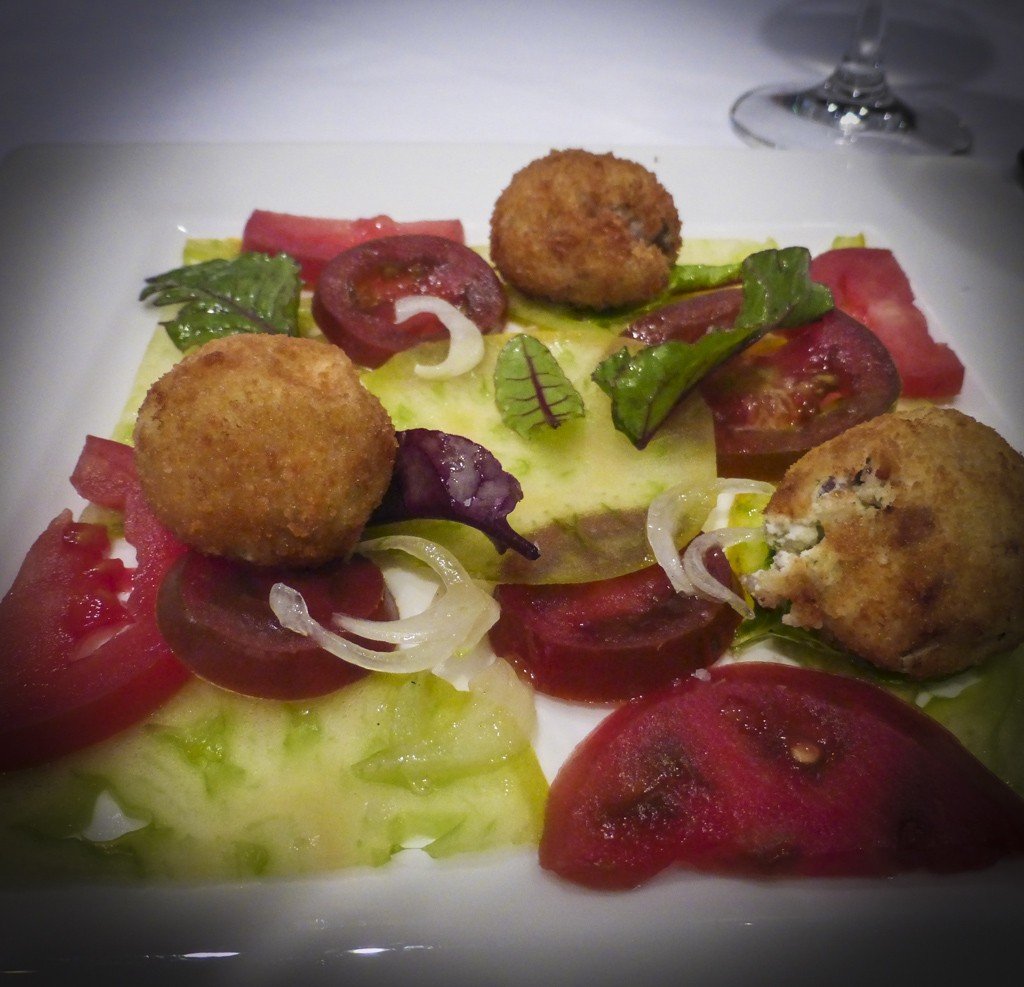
(870, 284)
(47, 739)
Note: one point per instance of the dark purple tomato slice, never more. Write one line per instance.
(689, 318)
(772, 770)
(793, 390)
(215, 614)
(611, 639)
(789, 392)
(353, 303)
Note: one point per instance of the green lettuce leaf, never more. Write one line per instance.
(530, 388)
(985, 709)
(767, 625)
(251, 293)
(702, 277)
(645, 386)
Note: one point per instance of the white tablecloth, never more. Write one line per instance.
(568, 72)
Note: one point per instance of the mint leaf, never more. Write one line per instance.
(644, 387)
(530, 388)
(252, 293)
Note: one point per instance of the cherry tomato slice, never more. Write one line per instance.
(690, 317)
(772, 770)
(313, 241)
(215, 614)
(354, 300)
(611, 639)
(795, 389)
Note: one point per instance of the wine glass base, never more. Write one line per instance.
(812, 119)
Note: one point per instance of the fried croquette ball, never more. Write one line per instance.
(589, 230)
(264, 448)
(902, 541)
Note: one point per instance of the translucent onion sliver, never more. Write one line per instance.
(663, 523)
(452, 626)
(705, 584)
(451, 606)
(466, 348)
(739, 485)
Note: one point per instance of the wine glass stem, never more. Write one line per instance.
(859, 79)
(853, 106)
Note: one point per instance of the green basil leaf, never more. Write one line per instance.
(251, 293)
(530, 388)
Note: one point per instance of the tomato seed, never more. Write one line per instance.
(805, 752)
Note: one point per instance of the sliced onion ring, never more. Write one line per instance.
(466, 348)
(733, 486)
(452, 626)
(664, 517)
(704, 584)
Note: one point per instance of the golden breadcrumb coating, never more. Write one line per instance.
(590, 230)
(265, 448)
(902, 540)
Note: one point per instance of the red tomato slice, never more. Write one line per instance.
(612, 639)
(105, 472)
(354, 300)
(772, 770)
(870, 285)
(795, 389)
(313, 241)
(78, 665)
(68, 682)
(105, 475)
(216, 615)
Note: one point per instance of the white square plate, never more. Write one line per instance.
(83, 226)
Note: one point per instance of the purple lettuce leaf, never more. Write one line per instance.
(440, 476)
